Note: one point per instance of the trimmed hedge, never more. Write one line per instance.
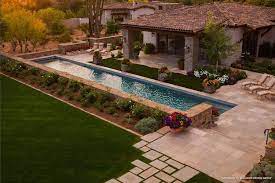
(149, 72)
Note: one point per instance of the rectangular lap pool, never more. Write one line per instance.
(160, 93)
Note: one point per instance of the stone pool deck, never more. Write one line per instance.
(226, 152)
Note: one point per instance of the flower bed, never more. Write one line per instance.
(213, 80)
(123, 111)
(177, 121)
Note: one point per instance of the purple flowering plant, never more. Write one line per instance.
(177, 120)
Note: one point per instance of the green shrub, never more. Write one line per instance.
(149, 48)
(74, 86)
(65, 37)
(112, 27)
(61, 91)
(49, 78)
(33, 71)
(147, 125)
(99, 106)
(58, 28)
(263, 169)
(124, 104)
(63, 81)
(157, 114)
(111, 110)
(139, 111)
(84, 91)
(104, 97)
(90, 97)
(128, 118)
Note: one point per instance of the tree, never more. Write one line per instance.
(217, 44)
(23, 27)
(94, 11)
(53, 19)
(3, 28)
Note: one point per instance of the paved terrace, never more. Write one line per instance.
(231, 148)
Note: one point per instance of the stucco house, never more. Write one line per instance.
(179, 31)
(123, 11)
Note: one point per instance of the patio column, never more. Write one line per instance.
(128, 38)
(191, 55)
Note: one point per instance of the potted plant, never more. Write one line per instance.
(181, 63)
(163, 74)
(97, 58)
(177, 122)
(125, 65)
(137, 49)
(210, 85)
(271, 135)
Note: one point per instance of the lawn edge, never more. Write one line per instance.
(72, 105)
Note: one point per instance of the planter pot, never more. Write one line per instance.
(177, 130)
(209, 89)
(181, 65)
(125, 67)
(97, 60)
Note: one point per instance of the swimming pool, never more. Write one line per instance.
(160, 93)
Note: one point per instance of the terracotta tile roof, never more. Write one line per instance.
(193, 18)
(126, 6)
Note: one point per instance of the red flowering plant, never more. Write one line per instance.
(177, 120)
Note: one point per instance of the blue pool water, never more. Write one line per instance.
(159, 93)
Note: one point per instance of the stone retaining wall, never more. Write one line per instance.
(200, 114)
(110, 39)
(68, 47)
(38, 54)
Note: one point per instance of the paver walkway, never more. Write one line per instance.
(231, 148)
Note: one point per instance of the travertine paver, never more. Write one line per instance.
(169, 169)
(141, 164)
(177, 181)
(152, 155)
(112, 181)
(144, 149)
(236, 142)
(136, 170)
(158, 164)
(164, 130)
(148, 173)
(185, 173)
(175, 164)
(151, 137)
(152, 180)
(165, 177)
(140, 144)
(129, 178)
(163, 158)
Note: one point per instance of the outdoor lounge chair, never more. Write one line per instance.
(268, 86)
(266, 94)
(248, 84)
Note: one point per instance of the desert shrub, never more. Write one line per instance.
(157, 114)
(149, 48)
(60, 91)
(84, 28)
(111, 110)
(98, 106)
(104, 97)
(69, 96)
(128, 118)
(263, 169)
(147, 125)
(63, 81)
(139, 111)
(33, 71)
(74, 86)
(90, 97)
(65, 37)
(49, 78)
(124, 104)
(84, 91)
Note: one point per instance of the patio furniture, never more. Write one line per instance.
(266, 94)
(248, 84)
(268, 86)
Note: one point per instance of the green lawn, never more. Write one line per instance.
(46, 141)
(149, 72)
(202, 178)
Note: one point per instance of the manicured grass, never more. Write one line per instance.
(149, 72)
(45, 140)
(202, 178)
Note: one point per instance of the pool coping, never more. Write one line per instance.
(193, 93)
